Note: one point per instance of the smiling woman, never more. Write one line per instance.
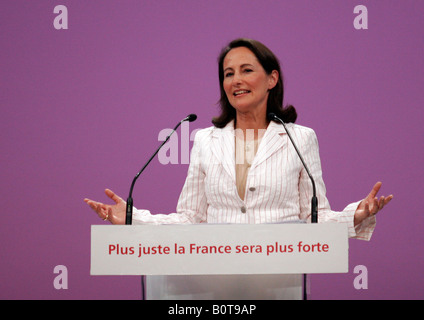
(247, 85)
(270, 185)
(259, 56)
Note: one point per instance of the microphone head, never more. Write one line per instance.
(191, 117)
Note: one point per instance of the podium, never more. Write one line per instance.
(220, 261)
(225, 287)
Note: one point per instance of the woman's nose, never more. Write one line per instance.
(236, 78)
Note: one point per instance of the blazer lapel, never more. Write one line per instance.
(223, 146)
(271, 142)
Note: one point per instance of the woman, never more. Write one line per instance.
(244, 168)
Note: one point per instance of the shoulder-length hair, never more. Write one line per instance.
(276, 95)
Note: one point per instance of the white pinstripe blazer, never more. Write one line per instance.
(278, 189)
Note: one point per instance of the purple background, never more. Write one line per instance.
(81, 110)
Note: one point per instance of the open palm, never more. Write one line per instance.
(114, 213)
(371, 204)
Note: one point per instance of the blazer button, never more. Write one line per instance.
(252, 189)
(243, 209)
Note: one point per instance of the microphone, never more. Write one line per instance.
(314, 201)
(190, 118)
(128, 219)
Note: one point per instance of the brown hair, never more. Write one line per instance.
(276, 95)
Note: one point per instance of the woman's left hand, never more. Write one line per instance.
(371, 205)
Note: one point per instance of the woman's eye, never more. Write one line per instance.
(248, 70)
(229, 74)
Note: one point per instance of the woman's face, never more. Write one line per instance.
(246, 83)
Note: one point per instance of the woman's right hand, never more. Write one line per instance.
(114, 213)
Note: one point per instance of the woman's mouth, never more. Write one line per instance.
(240, 93)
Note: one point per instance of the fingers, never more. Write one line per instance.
(113, 196)
(376, 204)
(367, 210)
(101, 209)
(387, 200)
(381, 203)
(108, 214)
(105, 211)
(374, 190)
(92, 204)
(373, 206)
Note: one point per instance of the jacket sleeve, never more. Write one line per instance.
(310, 151)
(192, 204)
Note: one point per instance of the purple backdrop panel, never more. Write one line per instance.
(83, 108)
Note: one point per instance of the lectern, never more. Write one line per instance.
(220, 261)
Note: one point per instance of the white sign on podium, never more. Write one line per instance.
(211, 249)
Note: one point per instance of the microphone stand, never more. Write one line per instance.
(314, 201)
(129, 209)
